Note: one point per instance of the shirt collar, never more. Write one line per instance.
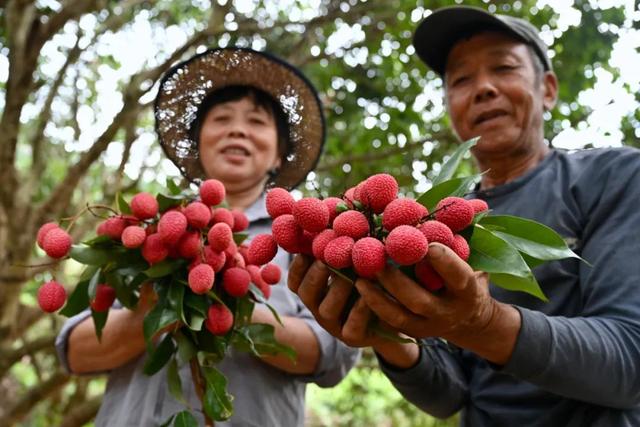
(258, 210)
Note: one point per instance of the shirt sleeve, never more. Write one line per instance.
(436, 384)
(594, 357)
(62, 340)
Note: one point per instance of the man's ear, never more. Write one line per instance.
(550, 82)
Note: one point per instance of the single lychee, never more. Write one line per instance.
(369, 257)
(154, 249)
(198, 214)
(311, 214)
(57, 243)
(256, 278)
(219, 319)
(427, 276)
(105, 296)
(279, 202)
(235, 281)
(455, 212)
(223, 215)
(406, 245)
(212, 192)
(201, 279)
(379, 190)
(320, 243)
(349, 197)
(436, 231)
(263, 249)
(144, 206)
(189, 245)
(243, 250)
(461, 247)
(51, 296)
(240, 220)
(114, 226)
(478, 205)
(337, 253)
(286, 232)
(403, 211)
(271, 273)
(220, 237)
(216, 259)
(332, 204)
(351, 223)
(133, 236)
(172, 226)
(43, 230)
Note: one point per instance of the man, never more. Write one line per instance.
(510, 359)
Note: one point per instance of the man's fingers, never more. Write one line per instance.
(297, 271)
(355, 328)
(407, 292)
(335, 300)
(456, 273)
(314, 285)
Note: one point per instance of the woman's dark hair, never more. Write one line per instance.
(260, 99)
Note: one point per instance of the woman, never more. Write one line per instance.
(247, 119)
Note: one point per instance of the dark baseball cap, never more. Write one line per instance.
(439, 32)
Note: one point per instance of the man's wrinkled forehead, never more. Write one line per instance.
(508, 46)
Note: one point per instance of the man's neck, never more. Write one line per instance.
(503, 170)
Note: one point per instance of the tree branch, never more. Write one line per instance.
(82, 413)
(11, 356)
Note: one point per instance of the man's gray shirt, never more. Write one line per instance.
(263, 396)
(576, 361)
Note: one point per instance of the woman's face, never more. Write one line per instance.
(239, 144)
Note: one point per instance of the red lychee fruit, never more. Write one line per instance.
(144, 206)
(198, 214)
(337, 253)
(190, 245)
(427, 276)
(43, 230)
(240, 220)
(379, 190)
(320, 243)
(244, 251)
(219, 319)
(212, 192)
(311, 214)
(271, 273)
(279, 202)
(349, 197)
(406, 245)
(455, 212)
(223, 215)
(403, 211)
(256, 278)
(51, 296)
(359, 194)
(105, 296)
(133, 236)
(286, 232)
(216, 259)
(351, 223)
(436, 231)
(201, 279)
(369, 257)
(235, 281)
(263, 249)
(478, 205)
(332, 204)
(154, 249)
(172, 226)
(461, 247)
(220, 237)
(114, 226)
(57, 243)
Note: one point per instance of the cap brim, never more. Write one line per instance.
(438, 32)
(185, 85)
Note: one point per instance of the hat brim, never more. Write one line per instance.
(437, 33)
(187, 84)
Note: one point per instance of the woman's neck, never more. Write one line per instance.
(242, 198)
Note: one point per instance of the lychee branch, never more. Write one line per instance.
(200, 386)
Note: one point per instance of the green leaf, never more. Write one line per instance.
(196, 302)
(175, 385)
(163, 268)
(259, 296)
(217, 402)
(514, 283)
(91, 256)
(125, 294)
(165, 202)
(213, 345)
(186, 348)
(259, 338)
(93, 284)
(244, 307)
(534, 239)
(454, 187)
(491, 254)
(173, 187)
(159, 357)
(185, 419)
(78, 300)
(175, 297)
(451, 165)
(238, 238)
(158, 318)
(99, 320)
(123, 206)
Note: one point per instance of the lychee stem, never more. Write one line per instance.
(198, 382)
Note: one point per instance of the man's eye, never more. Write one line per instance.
(459, 80)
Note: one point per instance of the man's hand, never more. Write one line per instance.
(464, 313)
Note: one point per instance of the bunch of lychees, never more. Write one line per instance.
(371, 226)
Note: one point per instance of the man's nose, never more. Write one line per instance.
(485, 87)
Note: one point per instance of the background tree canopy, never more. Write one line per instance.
(78, 77)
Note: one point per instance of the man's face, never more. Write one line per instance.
(492, 91)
